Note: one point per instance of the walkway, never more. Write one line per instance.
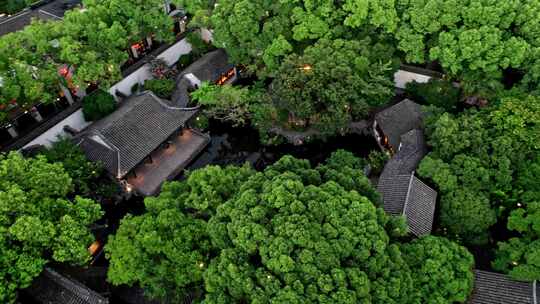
(168, 163)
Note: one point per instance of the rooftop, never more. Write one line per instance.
(408, 196)
(53, 10)
(126, 137)
(496, 288)
(209, 67)
(52, 287)
(411, 150)
(398, 120)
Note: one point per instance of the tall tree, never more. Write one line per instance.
(261, 33)
(333, 83)
(441, 270)
(478, 160)
(476, 42)
(37, 223)
(167, 249)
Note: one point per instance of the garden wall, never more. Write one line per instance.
(170, 55)
(402, 77)
(77, 121)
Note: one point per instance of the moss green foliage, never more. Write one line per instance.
(333, 83)
(167, 249)
(224, 102)
(89, 179)
(93, 43)
(441, 270)
(163, 88)
(184, 61)
(436, 92)
(14, 6)
(199, 47)
(38, 223)
(98, 105)
(377, 160)
(479, 163)
(476, 42)
(259, 34)
(289, 234)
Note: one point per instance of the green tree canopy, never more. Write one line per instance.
(289, 234)
(333, 83)
(167, 249)
(225, 102)
(475, 42)
(480, 163)
(37, 223)
(441, 270)
(261, 33)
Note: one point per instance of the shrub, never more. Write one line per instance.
(98, 105)
(184, 61)
(377, 160)
(199, 47)
(161, 87)
(437, 92)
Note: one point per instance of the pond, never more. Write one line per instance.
(235, 146)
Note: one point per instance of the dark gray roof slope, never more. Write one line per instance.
(407, 195)
(54, 10)
(495, 288)
(126, 137)
(399, 119)
(209, 67)
(412, 149)
(53, 288)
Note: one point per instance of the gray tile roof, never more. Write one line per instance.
(126, 137)
(399, 119)
(495, 288)
(53, 288)
(209, 67)
(408, 196)
(402, 192)
(54, 10)
(412, 149)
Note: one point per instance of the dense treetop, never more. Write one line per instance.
(261, 33)
(475, 40)
(291, 233)
(485, 166)
(37, 222)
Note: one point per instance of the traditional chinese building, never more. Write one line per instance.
(392, 122)
(496, 288)
(402, 192)
(213, 67)
(145, 142)
(51, 287)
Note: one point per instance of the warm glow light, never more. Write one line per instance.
(94, 247)
(306, 67)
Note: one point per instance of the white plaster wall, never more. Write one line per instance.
(401, 78)
(206, 34)
(170, 55)
(75, 120)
